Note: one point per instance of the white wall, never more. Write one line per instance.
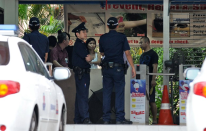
(2, 3)
(10, 11)
(96, 84)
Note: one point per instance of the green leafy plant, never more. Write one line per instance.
(50, 17)
(53, 26)
(193, 56)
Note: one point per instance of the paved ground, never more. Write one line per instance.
(73, 127)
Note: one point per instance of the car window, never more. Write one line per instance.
(37, 62)
(27, 61)
(4, 53)
(32, 62)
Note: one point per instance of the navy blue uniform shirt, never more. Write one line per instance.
(113, 44)
(79, 53)
(39, 42)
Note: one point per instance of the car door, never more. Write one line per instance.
(53, 121)
(46, 82)
(53, 114)
(42, 95)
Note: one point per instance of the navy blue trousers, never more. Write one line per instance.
(113, 78)
(81, 101)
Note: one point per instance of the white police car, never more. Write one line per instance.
(29, 98)
(196, 100)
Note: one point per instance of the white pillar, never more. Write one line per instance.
(65, 18)
(2, 4)
(166, 34)
(11, 11)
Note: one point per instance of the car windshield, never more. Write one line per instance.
(4, 53)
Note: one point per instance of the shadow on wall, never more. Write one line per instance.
(69, 89)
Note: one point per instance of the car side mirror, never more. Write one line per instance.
(191, 73)
(61, 73)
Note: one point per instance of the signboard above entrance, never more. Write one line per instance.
(187, 22)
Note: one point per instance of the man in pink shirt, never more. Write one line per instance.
(59, 55)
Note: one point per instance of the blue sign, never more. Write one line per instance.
(184, 85)
(138, 86)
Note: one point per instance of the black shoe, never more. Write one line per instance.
(107, 122)
(77, 122)
(153, 123)
(124, 122)
(87, 121)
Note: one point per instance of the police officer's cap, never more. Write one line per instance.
(112, 22)
(79, 28)
(34, 22)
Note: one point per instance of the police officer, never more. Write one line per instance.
(80, 59)
(111, 46)
(39, 42)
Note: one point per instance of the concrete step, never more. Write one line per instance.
(75, 127)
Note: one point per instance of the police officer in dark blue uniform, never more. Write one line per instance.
(111, 46)
(39, 42)
(80, 59)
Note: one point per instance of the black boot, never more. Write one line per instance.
(87, 121)
(107, 122)
(124, 122)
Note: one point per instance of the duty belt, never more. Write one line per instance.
(112, 64)
(107, 65)
(81, 71)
